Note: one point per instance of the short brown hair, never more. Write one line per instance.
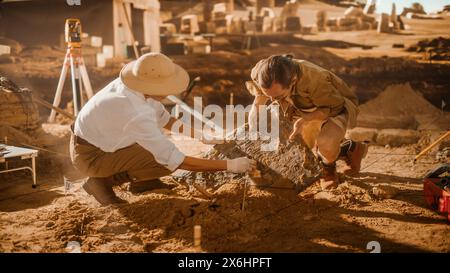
(277, 68)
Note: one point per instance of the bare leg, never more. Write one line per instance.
(328, 146)
(329, 141)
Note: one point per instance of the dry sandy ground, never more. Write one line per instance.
(273, 220)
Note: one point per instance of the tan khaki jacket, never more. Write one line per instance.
(317, 87)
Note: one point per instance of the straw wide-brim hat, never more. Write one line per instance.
(154, 74)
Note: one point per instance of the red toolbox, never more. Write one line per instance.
(436, 188)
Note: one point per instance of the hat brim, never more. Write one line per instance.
(173, 85)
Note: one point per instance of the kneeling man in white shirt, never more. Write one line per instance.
(117, 136)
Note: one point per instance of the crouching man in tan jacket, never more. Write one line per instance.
(321, 104)
(117, 136)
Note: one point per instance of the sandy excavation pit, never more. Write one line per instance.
(163, 221)
(273, 219)
(385, 203)
(236, 215)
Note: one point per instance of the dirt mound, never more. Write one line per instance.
(398, 100)
(400, 106)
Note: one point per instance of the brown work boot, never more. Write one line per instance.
(148, 185)
(356, 151)
(102, 188)
(329, 179)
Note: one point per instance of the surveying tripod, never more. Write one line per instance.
(78, 70)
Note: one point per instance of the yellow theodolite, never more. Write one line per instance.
(73, 32)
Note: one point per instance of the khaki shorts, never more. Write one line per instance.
(93, 162)
(340, 120)
(311, 130)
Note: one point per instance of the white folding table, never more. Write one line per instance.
(23, 154)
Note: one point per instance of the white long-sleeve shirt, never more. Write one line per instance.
(117, 117)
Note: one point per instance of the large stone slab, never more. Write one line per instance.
(292, 165)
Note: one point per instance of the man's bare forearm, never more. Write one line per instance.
(203, 165)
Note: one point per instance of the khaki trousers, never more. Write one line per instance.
(93, 162)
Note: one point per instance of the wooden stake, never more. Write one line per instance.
(136, 52)
(432, 145)
(197, 237)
